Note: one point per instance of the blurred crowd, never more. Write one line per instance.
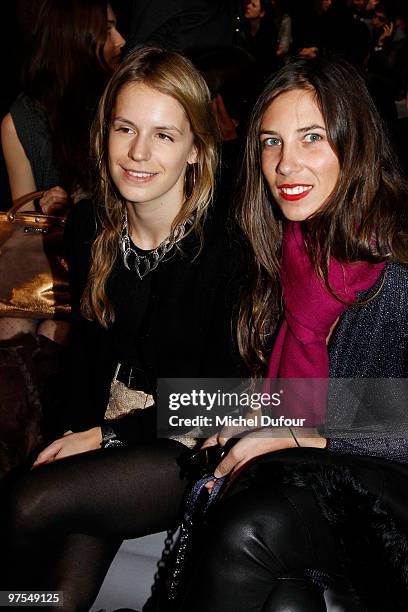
(238, 44)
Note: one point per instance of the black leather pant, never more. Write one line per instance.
(260, 541)
(268, 546)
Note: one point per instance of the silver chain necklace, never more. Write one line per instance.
(143, 264)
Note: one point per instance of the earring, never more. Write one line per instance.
(192, 184)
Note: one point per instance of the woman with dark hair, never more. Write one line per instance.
(259, 36)
(157, 287)
(323, 209)
(74, 48)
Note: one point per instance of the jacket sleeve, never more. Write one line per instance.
(87, 369)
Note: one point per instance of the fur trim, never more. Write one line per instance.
(372, 546)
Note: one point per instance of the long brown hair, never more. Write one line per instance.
(364, 219)
(66, 75)
(171, 74)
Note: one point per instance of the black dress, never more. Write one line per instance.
(174, 323)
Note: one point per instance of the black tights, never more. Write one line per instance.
(69, 517)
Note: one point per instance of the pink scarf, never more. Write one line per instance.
(310, 311)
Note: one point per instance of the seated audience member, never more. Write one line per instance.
(358, 9)
(74, 48)
(320, 28)
(158, 301)
(323, 207)
(368, 13)
(260, 35)
(389, 35)
(283, 24)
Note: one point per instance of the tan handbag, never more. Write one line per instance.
(33, 271)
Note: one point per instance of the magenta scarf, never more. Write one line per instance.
(310, 311)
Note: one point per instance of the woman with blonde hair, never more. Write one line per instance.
(157, 302)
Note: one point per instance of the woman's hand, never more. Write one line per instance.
(257, 443)
(54, 201)
(228, 432)
(70, 444)
(386, 33)
(253, 445)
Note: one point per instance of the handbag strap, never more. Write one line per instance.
(192, 500)
(19, 202)
(186, 529)
(38, 216)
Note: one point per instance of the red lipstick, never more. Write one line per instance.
(291, 197)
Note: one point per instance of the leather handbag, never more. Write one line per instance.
(33, 272)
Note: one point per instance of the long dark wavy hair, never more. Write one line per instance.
(66, 75)
(364, 218)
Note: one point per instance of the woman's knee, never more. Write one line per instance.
(295, 596)
(261, 527)
(31, 505)
(11, 327)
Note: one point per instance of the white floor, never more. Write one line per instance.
(128, 582)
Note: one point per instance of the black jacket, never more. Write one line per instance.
(175, 323)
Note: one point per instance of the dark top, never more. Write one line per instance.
(33, 132)
(332, 31)
(262, 46)
(174, 323)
